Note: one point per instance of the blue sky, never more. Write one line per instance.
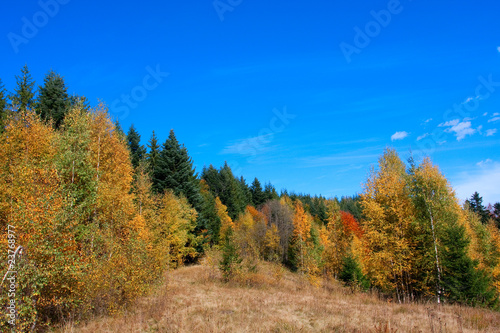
(305, 94)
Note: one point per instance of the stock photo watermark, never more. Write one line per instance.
(223, 6)
(122, 106)
(31, 26)
(11, 275)
(457, 119)
(251, 147)
(363, 36)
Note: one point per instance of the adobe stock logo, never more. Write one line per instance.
(225, 6)
(139, 93)
(363, 37)
(40, 19)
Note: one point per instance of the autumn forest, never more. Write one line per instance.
(92, 218)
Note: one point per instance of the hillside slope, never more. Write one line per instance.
(274, 300)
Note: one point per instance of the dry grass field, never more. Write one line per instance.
(194, 299)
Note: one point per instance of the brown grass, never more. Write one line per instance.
(194, 299)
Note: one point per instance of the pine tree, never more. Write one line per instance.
(3, 106)
(352, 275)
(23, 97)
(53, 99)
(476, 205)
(245, 192)
(227, 187)
(175, 171)
(137, 151)
(496, 214)
(270, 192)
(231, 261)
(119, 129)
(463, 282)
(81, 102)
(152, 155)
(258, 196)
(208, 220)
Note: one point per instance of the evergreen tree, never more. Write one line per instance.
(270, 192)
(208, 219)
(23, 97)
(152, 156)
(476, 205)
(137, 151)
(227, 187)
(463, 282)
(352, 205)
(258, 196)
(3, 106)
(352, 275)
(245, 191)
(175, 171)
(119, 129)
(496, 214)
(82, 103)
(53, 99)
(231, 260)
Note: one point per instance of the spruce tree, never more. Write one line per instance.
(463, 282)
(496, 214)
(152, 156)
(246, 194)
(3, 106)
(270, 192)
(53, 99)
(23, 97)
(230, 263)
(137, 151)
(175, 171)
(82, 103)
(476, 205)
(352, 275)
(119, 129)
(232, 195)
(208, 219)
(258, 196)
(227, 187)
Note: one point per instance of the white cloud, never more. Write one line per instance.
(453, 122)
(428, 120)
(498, 49)
(248, 147)
(422, 136)
(496, 114)
(461, 130)
(493, 119)
(491, 132)
(482, 163)
(485, 114)
(484, 179)
(399, 135)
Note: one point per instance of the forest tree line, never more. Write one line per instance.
(101, 218)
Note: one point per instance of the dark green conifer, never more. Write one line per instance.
(152, 156)
(137, 151)
(3, 106)
(258, 196)
(476, 205)
(53, 99)
(463, 282)
(23, 97)
(175, 171)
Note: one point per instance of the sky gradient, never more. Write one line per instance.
(304, 94)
